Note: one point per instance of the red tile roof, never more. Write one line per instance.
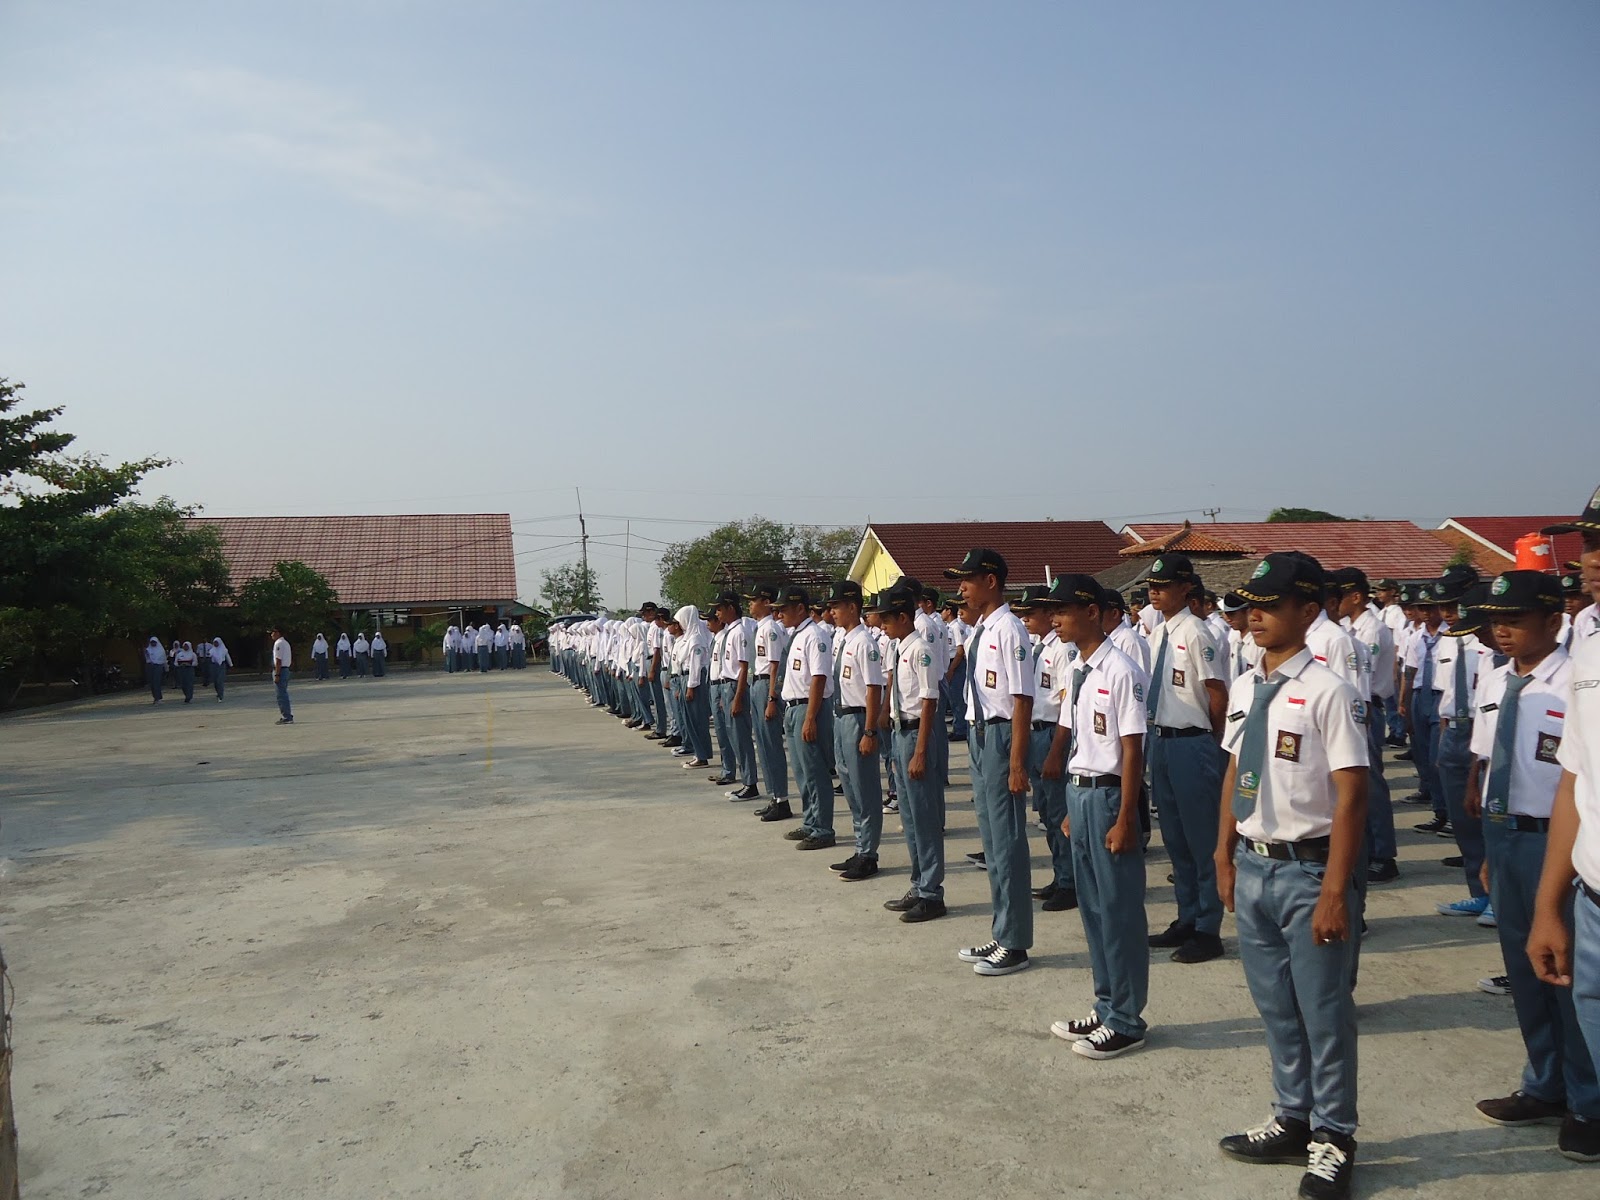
(1504, 532)
(1397, 548)
(925, 549)
(1186, 539)
(381, 562)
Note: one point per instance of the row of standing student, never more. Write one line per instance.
(484, 648)
(1288, 850)
(180, 666)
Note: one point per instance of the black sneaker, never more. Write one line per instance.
(672, 740)
(1076, 1031)
(778, 810)
(1002, 962)
(1106, 1042)
(974, 954)
(284, 721)
(1452, 860)
(1520, 1109)
(846, 864)
(748, 792)
(1431, 826)
(1496, 985)
(1202, 947)
(1176, 935)
(721, 780)
(1045, 892)
(1579, 1139)
(1382, 871)
(1405, 755)
(865, 868)
(1276, 1141)
(1330, 1159)
(978, 860)
(815, 843)
(891, 806)
(1447, 830)
(838, 789)
(905, 904)
(796, 835)
(1065, 900)
(925, 909)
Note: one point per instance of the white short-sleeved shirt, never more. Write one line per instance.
(696, 659)
(1313, 729)
(1541, 725)
(737, 647)
(916, 677)
(956, 633)
(931, 628)
(1191, 659)
(1369, 630)
(1001, 665)
(1335, 649)
(1467, 649)
(858, 665)
(1219, 628)
(809, 655)
(1110, 707)
(1125, 638)
(1586, 623)
(1580, 754)
(772, 639)
(1243, 654)
(282, 656)
(1422, 655)
(1052, 675)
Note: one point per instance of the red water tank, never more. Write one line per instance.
(1536, 552)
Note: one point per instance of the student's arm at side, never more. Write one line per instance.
(1123, 837)
(1217, 703)
(1227, 837)
(1331, 920)
(1549, 940)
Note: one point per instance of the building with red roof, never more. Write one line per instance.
(1397, 549)
(1492, 541)
(1031, 549)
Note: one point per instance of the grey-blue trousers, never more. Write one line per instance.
(863, 785)
(769, 740)
(742, 735)
(1303, 991)
(1003, 826)
(1451, 767)
(1380, 804)
(697, 718)
(811, 767)
(921, 816)
(1050, 801)
(1586, 971)
(722, 722)
(219, 678)
(1185, 783)
(1111, 903)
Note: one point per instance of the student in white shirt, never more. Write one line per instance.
(807, 697)
(695, 659)
(1047, 747)
(1386, 592)
(342, 653)
(954, 688)
(1373, 638)
(221, 660)
(319, 657)
(361, 649)
(184, 665)
(282, 660)
(380, 655)
(858, 681)
(155, 668)
(766, 702)
(738, 653)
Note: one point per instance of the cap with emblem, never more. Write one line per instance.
(762, 591)
(1232, 603)
(1589, 522)
(649, 606)
(1386, 585)
(1572, 584)
(1281, 576)
(1350, 579)
(931, 595)
(792, 593)
(1473, 618)
(727, 598)
(1113, 599)
(843, 590)
(897, 599)
(1076, 589)
(949, 606)
(1035, 595)
(1454, 583)
(979, 561)
(1424, 595)
(1140, 596)
(1523, 591)
(1171, 568)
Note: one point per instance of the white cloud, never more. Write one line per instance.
(318, 134)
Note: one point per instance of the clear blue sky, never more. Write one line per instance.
(814, 260)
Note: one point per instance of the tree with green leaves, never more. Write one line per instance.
(570, 588)
(293, 597)
(1302, 516)
(689, 569)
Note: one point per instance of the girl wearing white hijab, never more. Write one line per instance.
(319, 657)
(172, 662)
(502, 644)
(380, 654)
(519, 648)
(362, 653)
(485, 647)
(221, 660)
(697, 686)
(450, 650)
(467, 651)
(155, 668)
(342, 653)
(183, 665)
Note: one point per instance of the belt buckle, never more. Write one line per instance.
(1264, 849)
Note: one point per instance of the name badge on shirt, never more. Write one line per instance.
(1044, 680)
(989, 680)
(1178, 677)
(845, 674)
(1549, 743)
(1288, 746)
(1100, 723)
(796, 666)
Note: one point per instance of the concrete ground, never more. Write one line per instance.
(463, 936)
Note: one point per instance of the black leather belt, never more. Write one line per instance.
(1095, 781)
(1519, 822)
(792, 703)
(1174, 731)
(1311, 850)
(1038, 725)
(1594, 896)
(908, 726)
(1458, 722)
(849, 712)
(995, 721)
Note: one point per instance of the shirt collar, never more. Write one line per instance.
(1100, 653)
(1549, 665)
(1290, 669)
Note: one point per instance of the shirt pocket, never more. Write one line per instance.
(1547, 741)
(1290, 746)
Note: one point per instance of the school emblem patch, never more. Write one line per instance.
(1177, 678)
(1351, 661)
(1138, 691)
(989, 679)
(1549, 743)
(1261, 569)
(1161, 565)
(1021, 653)
(927, 660)
(1288, 746)
(1359, 709)
(1100, 723)
(872, 656)
(1210, 653)
(1500, 587)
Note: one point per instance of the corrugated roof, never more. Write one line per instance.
(926, 549)
(381, 562)
(1185, 539)
(1397, 548)
(1503, 532)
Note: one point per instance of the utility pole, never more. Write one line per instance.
(1212, 513)
(583, 537)
(627, 543)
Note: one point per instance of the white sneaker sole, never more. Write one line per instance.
(1088, 1050)
(1059, 1028)
(986, 969)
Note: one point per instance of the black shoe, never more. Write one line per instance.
(865, 868)
(1520, 1109)
(653, 736)
(846, 865)
(838, 789)
(1432, 826)
(978, 860)
(1065, 900)
(748, 792)
(815, 843)
(1002, 961)
(1277, 1141)
(1452, 860)
(1405, 756)
(1202, 947)
(1176, 935)
(1382, 871)
(721, 780)
(672, 741)
(1447, 830)
(1045, 892)
(778, 810)
(1330, 1160)
(1106, 1042)
(905, 904)
(1579, 1139)
(796, 835)
(1417, 798)
(924, 910)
